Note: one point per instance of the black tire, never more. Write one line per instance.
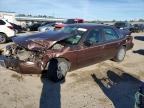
(57, 69)
(3, 38)
(120, 54)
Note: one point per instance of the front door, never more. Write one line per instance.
(92, 48)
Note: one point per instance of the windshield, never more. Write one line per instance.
(76, 32)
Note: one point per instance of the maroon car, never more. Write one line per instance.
(57, 52)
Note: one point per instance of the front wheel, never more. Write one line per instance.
(120, 54)
(57, 69)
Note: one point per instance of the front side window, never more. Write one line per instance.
(110, 34)
(73, 40)
(94, 36)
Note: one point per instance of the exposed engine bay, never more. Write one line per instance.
(19, 52)
(28, 61)
(24, 54)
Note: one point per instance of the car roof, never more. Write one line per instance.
(88, 25)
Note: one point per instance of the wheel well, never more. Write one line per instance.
(62, 58)
(3, 33)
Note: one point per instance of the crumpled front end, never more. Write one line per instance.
(30, 54)
(21, 60)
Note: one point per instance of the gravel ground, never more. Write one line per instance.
(103, 85)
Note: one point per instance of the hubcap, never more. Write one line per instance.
(62, 69)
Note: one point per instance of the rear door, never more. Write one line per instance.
(112, 42)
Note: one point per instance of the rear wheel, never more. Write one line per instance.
(120, 54)
(3, 38)
(57, 69)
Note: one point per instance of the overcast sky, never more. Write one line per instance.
(87, 9)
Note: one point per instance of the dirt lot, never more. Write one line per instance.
(104, 85)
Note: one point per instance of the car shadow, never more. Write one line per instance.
(120, 89)
(50, 95)
(140, 51)
(141, 38)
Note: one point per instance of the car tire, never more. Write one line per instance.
(120, 54)
(3, 38)
(57, 69)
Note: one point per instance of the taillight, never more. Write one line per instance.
(10, 27)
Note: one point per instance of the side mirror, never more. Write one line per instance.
(87, 43)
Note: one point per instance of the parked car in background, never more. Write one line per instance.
(138, 28)
(46, 27)
(33, 27)
(6, 30)
(69, 21)
(17, 28)
(54, 53)
(48, 22)
(124, 26)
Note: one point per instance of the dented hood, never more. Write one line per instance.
(40, 41)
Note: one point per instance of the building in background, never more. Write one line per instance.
(10, 16)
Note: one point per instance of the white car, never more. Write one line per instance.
(6, 31)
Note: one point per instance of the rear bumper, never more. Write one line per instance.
(24, 67)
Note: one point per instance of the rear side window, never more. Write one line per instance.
(110, 34)
(2, 22)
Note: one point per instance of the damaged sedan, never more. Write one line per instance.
(54, 53)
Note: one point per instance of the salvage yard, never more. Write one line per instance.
(104, 85)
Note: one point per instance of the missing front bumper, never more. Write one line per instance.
(24, 67)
